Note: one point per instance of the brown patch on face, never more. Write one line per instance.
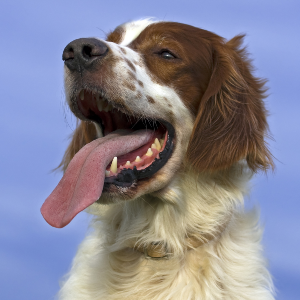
(129, 85)
(167, 102)
(171, 114)
(214, 80)
(150, 99)
(131, 65)
(123, 50)
(139, 95)
(189, 72)
(116, 35)
(132, 76)
(140, 83)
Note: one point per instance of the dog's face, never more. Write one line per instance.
(160, 97)
(146, 78)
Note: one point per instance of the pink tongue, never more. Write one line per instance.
(83, 180)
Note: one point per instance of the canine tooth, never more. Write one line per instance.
(162, 142)
(153, 146)
(106, 108)
(138, 159)
(109, 107)
(82, 95)
(149, 152)
(127, 163)
(157, 144)
(99, 105)
(114, 166)
(107, 173)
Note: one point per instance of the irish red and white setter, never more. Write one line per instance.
(172, 126)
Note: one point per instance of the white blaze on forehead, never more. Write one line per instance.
(133, 29)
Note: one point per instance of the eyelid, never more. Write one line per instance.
(167, 50)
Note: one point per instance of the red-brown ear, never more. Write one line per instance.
(84, 133)
(231, 121)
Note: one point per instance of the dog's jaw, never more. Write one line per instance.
(123, 78)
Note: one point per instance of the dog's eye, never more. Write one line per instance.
(167, 54)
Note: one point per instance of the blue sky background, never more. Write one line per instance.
(35, 124)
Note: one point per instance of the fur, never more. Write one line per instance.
(216, 107)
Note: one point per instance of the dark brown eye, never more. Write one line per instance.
(167, 55)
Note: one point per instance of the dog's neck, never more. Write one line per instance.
(169, 219)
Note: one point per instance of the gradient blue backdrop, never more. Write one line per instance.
(35, 125)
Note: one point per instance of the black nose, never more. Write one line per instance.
(82, 53)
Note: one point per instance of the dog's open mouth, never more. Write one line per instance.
(133, 148)
(140, 163)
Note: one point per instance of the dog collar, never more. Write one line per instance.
(157, 251)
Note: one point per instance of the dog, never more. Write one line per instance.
(172, 126)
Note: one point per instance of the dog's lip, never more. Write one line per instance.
(87, 106)
(127, 177)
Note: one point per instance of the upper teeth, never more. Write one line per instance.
(108, 107)
(99, 105)
(82, 95)
(103, 105)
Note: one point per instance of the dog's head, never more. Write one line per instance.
(161, 97)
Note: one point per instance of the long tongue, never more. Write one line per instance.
(83, 180)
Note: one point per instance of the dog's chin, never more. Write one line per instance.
(155, 185)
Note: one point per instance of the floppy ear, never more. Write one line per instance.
(84, 133)
(231, 121)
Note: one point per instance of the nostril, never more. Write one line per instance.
(96, 49)
(68, 54)
(87, 51)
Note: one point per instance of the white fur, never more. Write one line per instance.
(133, 29)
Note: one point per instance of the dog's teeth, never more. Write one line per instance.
(127, 163)
(110, 107)
(99, 105)
(138, 159)
(149, 152)
(162, 142)
(107, 173)
(106, 108)
(157, 144)
(153, 146)
(82, 95)
(114, 166)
